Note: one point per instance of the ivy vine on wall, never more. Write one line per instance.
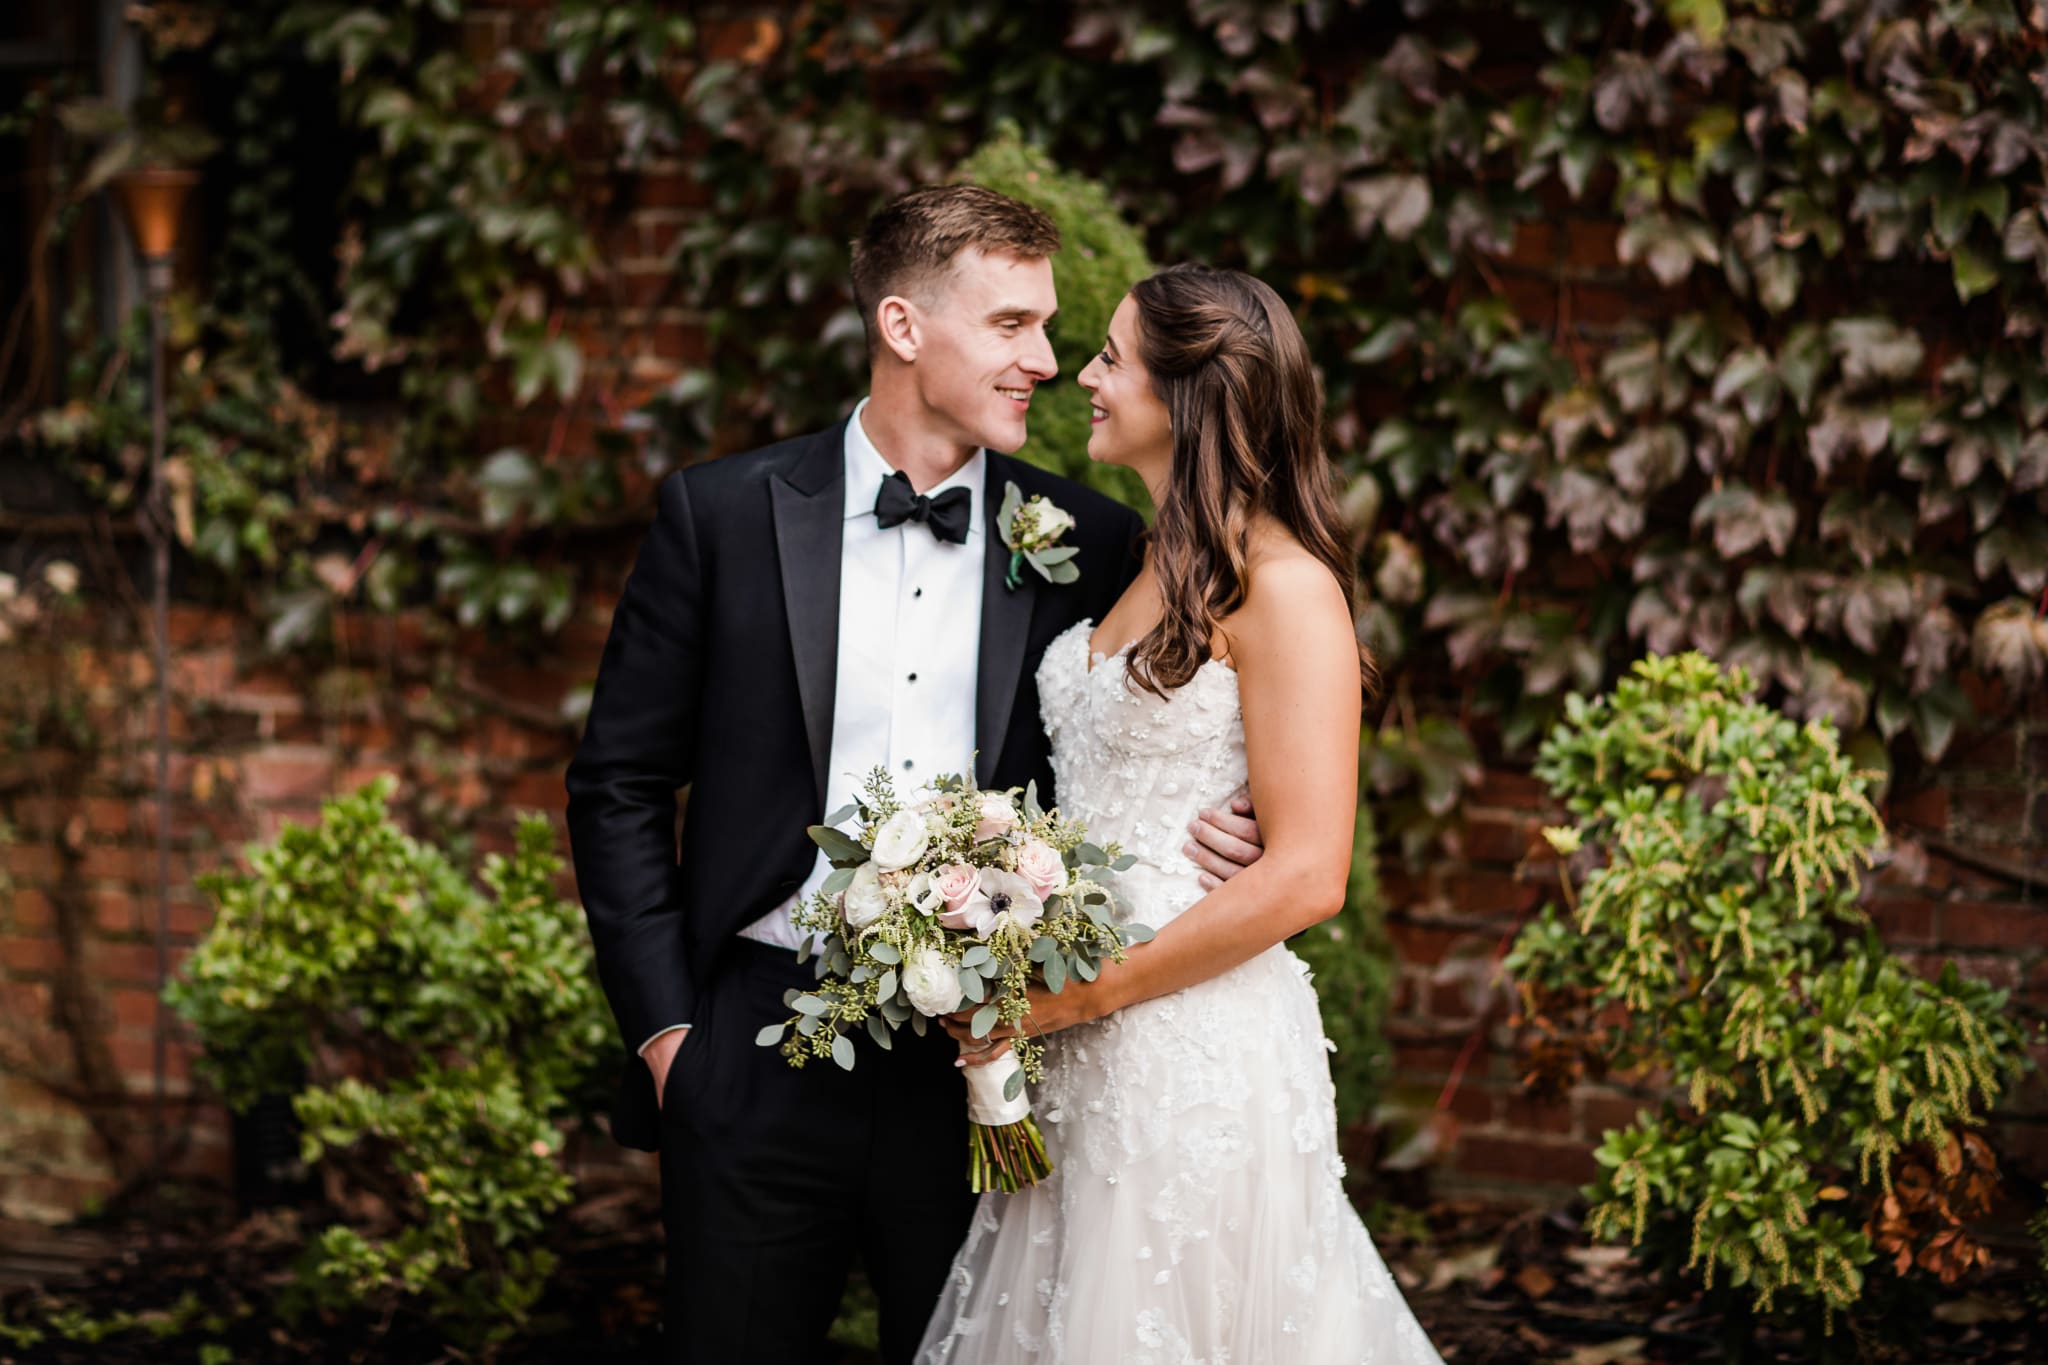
(1814, 443)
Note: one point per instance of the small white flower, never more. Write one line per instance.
(924, 895)
(865, 901)
(931, 982)
(901, 840)
(62, 576)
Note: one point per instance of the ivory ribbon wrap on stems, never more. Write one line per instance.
(985, 1103)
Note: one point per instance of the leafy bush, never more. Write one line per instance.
(1716, 856)
(1351, 963)
(434, 1037)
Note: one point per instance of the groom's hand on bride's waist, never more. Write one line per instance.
(1224, 843)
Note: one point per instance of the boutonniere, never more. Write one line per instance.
(1032, 530)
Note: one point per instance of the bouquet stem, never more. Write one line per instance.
(1005, 1157)
(1005, 1150)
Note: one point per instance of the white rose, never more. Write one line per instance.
(931, 982)
(997, 816)
(1051, 522)
(924, 894)
(901, 840)
(865, 901)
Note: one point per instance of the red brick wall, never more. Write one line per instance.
(260, 744)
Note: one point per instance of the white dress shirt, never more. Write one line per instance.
(909, 651)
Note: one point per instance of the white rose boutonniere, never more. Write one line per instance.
(1032, 530)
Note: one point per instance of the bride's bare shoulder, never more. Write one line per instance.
(1277, 566)
(1288, 591)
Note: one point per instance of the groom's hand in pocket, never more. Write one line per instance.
(1225, 842)
(660, 1055)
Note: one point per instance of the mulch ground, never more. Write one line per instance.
(1490, 1282)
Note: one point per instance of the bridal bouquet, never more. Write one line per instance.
(956, 897)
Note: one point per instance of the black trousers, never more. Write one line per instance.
(773, 1179)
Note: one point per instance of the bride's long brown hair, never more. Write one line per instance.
(1228, 361)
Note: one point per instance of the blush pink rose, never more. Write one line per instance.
(957, 883)
(973, 913)
(1039, 863)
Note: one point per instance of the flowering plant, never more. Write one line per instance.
(1032, 530)
(958, 897)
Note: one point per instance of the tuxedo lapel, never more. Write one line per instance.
(809, 504)
(1005, 628)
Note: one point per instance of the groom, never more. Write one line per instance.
(798, 616)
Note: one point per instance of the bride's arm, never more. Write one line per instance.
(1298, 679)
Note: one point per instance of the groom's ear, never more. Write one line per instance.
(900, 327)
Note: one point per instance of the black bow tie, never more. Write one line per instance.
(948, 514)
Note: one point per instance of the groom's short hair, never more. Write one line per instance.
(907, 248)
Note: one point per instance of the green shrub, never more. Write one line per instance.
(434, 1037)
(1101, 256)
(1352, 966)
(1705, 946)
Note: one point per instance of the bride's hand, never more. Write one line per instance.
(1050, 1012)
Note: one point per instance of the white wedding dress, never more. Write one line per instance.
(1196, 1212)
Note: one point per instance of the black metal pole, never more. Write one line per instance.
(159, 281)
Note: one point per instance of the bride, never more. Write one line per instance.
(1196, 1212)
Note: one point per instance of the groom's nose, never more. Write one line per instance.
(1037, 360)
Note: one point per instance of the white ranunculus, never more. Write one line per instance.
(924, 894)
(931, 982)
(901, 840)
(865, 901)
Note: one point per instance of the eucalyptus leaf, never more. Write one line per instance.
(842, 849)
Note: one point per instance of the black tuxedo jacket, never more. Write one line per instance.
(719, 675)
